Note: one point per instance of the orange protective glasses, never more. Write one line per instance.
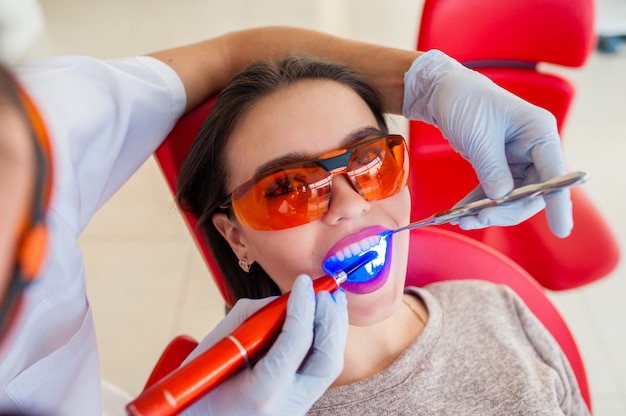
(298, 193)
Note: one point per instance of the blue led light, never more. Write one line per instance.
(365, 273)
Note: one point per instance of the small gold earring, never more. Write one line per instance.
(243, 263)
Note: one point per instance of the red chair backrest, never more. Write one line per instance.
(560, 32)
(170, 157)
(506, 40)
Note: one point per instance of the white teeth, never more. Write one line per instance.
(369, 242)
(357, 248)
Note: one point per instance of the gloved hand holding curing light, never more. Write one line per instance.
(288, 380)
(508, 141)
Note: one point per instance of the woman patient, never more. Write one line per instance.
(294, 171)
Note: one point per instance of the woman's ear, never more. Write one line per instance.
(230, 230)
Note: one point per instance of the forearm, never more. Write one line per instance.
(206, 67)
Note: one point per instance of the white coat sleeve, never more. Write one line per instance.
(105, 118)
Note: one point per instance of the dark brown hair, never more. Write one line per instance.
(203, 177)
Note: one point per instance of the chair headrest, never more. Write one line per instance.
(559, 32)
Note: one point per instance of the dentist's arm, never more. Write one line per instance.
(205, 67)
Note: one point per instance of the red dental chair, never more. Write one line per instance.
(506, 41)
(430, 262)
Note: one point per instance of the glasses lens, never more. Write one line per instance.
(287, 198)
(379, 169)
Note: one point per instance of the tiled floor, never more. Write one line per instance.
(147, 283)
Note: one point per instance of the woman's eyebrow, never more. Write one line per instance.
(360, 134)
(276, 164)
(293, 157)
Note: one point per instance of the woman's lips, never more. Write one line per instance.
(374, 273)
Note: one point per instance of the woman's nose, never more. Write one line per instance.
(345, 202)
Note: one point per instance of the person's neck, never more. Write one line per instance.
(371, 349)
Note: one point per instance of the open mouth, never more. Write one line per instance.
(370, 276)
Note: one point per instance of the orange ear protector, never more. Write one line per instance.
(33, 236)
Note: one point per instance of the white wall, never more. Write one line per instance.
(21, 22)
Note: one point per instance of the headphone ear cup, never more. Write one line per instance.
(32, 251)
(32, 241)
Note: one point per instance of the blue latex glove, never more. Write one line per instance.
(305, 359)
(506, 139)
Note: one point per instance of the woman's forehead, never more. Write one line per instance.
(308, 118)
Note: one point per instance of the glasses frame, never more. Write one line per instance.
(334, 162)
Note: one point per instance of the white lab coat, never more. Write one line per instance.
(104, 119)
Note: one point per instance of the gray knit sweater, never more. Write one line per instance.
(482, 353)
